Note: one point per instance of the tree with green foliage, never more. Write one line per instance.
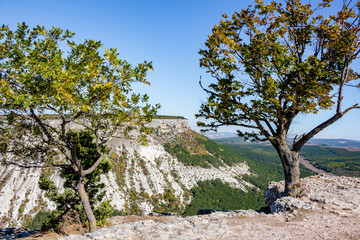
(50, 85)
(276, 61)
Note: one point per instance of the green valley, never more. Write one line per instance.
(265, 167)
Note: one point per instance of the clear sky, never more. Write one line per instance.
(167, 32)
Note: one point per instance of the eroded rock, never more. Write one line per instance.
(322, 189)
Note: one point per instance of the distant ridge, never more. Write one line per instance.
(336, 142)
(215, 135)
(231, 138)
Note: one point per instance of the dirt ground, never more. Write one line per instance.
(326, 223)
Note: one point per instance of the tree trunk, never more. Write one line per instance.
(290, 161)
(80, 185)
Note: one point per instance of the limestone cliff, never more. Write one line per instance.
(141, 177)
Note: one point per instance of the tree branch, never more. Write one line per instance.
(269, 126)
(262, 129)
(306, 137)
(344, 76)
(96, 164)
(237, 124)
(206, 90)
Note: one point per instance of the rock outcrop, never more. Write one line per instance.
(146, 172)
(343, 192)
(328, 208)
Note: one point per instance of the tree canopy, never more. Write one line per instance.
(51, 85)
(272, 62)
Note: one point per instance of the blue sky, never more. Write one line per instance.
(167, 32)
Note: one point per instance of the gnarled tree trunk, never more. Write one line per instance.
(80, 185)
(290, 161)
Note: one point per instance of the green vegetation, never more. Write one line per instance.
(184, 156)
(338, 161)
(68, 204)
(220, 152)
(217, 195)
(45, 75)
(194, 149)
(166, 202)
(191, 149)
(335, 160)
(38, 220)
(263, 162)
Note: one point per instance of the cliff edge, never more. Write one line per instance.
(137, 169)
(328, 208)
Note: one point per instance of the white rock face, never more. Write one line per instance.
(148, 170)
(20, 196)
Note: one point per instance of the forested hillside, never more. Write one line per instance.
(264, 165)
(193, 173)
(338, 161)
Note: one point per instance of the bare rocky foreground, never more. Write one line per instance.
(329, 208)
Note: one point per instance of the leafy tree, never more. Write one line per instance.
(274, 62)
(45, 92)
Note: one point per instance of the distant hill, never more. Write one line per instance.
(231, 138)
(216, 135)
(337, 156)
(235, 141)
(336, 142)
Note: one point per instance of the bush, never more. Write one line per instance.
(38, 220)
(102, 213)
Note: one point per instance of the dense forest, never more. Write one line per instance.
(338, 156)
(338, 161)
(330, 155)
(215, 194)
